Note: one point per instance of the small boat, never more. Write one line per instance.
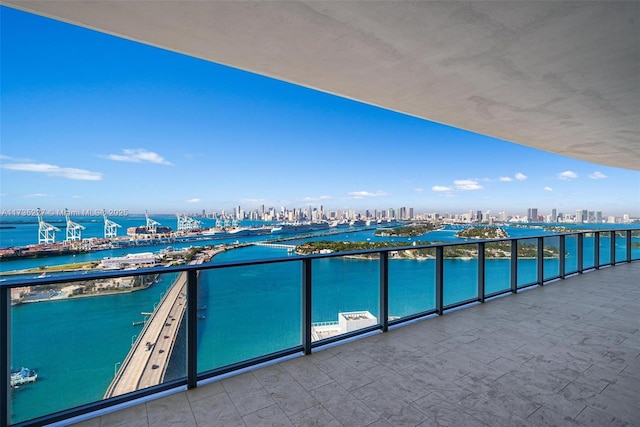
(23, 376)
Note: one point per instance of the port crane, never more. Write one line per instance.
(110, 227)
(46, 231)
(151, 224)
(186, 223)
(74, 230)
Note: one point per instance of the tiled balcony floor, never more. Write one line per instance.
(564, 354)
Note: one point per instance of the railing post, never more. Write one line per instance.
(580, 249)
(596, 250)
(481, 275)
(514, 266)
(612, 248)
(384, 291)
(540, 256)
(562, 261)
(306, 305)
(439, 280)
(192, 329)
(628, 245)
(5, 355)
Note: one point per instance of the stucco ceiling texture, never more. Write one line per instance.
(559, 76)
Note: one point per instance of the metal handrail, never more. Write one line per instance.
(193, 376)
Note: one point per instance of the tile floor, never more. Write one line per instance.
(567, 354)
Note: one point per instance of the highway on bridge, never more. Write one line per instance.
(146, 363)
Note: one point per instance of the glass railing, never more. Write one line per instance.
(87, 342)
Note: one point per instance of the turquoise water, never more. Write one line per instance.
(76, 345)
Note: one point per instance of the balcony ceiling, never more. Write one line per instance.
(559, 76)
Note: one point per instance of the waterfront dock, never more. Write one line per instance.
(146, 364)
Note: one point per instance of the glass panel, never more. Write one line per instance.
(551, 254)
(527, 261)
(635, 244)
(621, 246)
(588, 255)
(460, 273)
(571, 248)
(85, 338)
(497, 270)
(248, 311)
(605, 248)
(345, 294)
(412, 283)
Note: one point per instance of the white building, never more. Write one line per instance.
(144, 259)
(347, 322)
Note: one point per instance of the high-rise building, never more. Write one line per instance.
(554, 215)
(532, 214)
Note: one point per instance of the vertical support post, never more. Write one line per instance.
(384, 291)
(192, 329)
(612, 248)
(562, 260)
(5, 355)
(540, 265)
(306, 306)
(439, 280)
(514, 266)
(596, 250)
(628, 245)
(580, 249)
(481, 275)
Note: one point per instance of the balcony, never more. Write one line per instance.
(552, 352)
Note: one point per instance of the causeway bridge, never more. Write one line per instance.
(290, 248)
(146, 364)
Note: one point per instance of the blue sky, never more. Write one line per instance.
(90, 121)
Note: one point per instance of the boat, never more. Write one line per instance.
(23, 376)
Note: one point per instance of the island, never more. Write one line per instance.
(412, 230)
(484, 232)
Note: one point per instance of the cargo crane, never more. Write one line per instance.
(186, 223)
(110, 227)
(74, 230)
(151, 224)
(46, 231)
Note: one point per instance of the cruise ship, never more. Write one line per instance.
(300, 227)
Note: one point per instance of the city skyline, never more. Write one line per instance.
(91, 121)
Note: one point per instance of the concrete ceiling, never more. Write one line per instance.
(559, 76)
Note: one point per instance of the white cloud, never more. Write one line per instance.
(53, 170)
(548, 189)
(418, 190)
(467, 184)
(566, 175)
(37, 195)
(597, 175)
(440, 188)
(363, 194)
(520, 176)
(196, 200)
(316, 198)
(505, 179)
(138, 155)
